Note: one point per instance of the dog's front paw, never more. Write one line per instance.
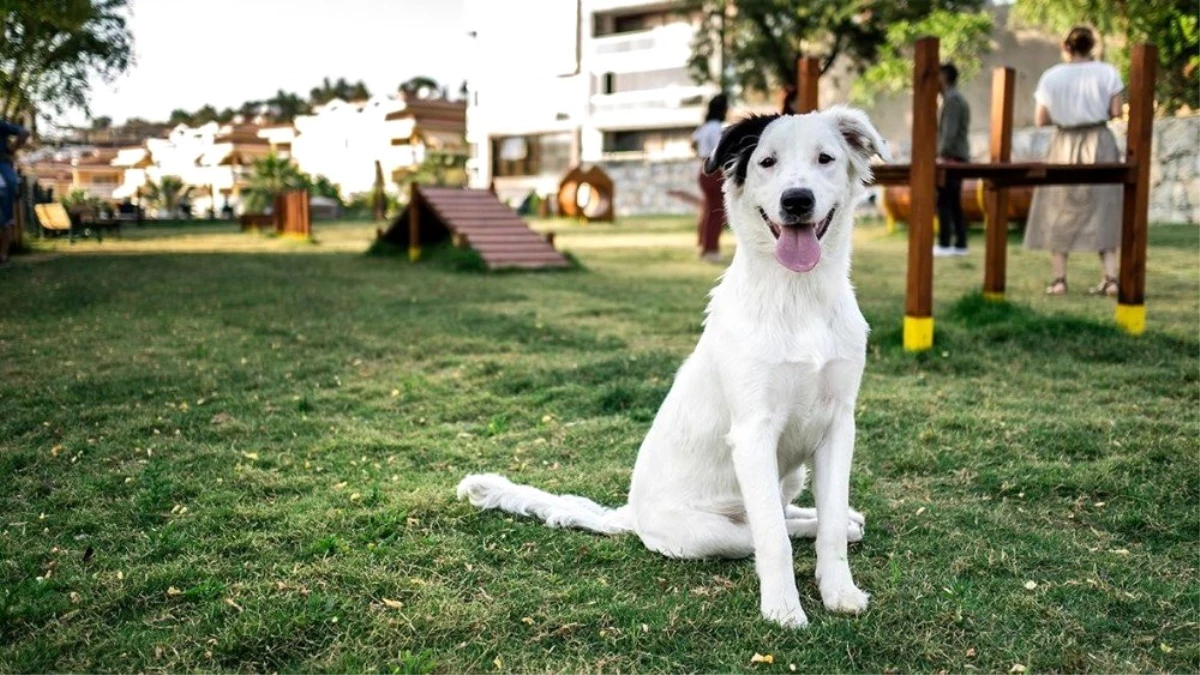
(844, 598)
(788, 615)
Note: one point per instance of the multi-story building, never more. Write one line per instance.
(605, 81)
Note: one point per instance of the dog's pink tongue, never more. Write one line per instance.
(797, 248)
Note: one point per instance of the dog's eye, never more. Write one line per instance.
(767, 162)
(825, 158)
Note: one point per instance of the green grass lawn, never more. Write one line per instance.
(225, 452)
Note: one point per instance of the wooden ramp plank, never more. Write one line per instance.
(501, 237)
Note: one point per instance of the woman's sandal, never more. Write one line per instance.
(1057, 287)
(1107, 287)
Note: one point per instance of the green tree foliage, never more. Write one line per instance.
(102, 122)
(273, 175)
(285, 106)
(50, 50)
(762, 39)
(443, 168)
(1171, 25)
(321, 186)
(167, 194)
(342, 89)
(963, 37)
(420, 86)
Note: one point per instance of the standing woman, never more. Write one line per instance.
(1078, 97)
(712, 218)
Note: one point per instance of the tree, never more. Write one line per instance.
(762, 39)
(342, 89)
(204, 115)
(270, 176)
(167, 194)
(286, 106)
(180, 116)
(420, 86)
(102, 122)
(1171, 25)
(321, 186)
(51, 49)
(963, 37)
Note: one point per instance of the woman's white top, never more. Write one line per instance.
(707, 137)
(1078, 94)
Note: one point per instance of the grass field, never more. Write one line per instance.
(226, 452)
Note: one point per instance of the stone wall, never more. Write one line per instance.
(643, 187)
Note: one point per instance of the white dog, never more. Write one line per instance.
(771, 387)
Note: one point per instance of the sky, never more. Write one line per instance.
(224, 52)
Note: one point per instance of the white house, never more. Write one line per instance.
(343, 140)
(212, 157)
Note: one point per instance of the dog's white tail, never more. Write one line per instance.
(489, 491)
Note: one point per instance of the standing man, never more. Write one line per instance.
(953, 146)
(8, 176)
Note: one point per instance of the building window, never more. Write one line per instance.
(656, 142)
(615, 83)
(534, 155)
(616, 24)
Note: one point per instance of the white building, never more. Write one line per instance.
(600, 80)
(212, 158)
(343, 140)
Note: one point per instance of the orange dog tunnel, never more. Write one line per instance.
(896, 203)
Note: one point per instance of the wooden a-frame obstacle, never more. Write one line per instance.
(924, 174)
(471, 219)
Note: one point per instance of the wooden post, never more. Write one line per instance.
(808, 75)
(1131, 301)
(922, 185)
(21, 208)
(378, 198)
(414, 223)
(279, 212)
(995, 208)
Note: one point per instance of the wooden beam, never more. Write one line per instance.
(995, 196)
(808, 75)
(414, 223)
(1015, 174)
(922, 181)
(1131, 300)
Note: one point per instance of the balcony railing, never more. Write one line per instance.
(662, 47)
(665, 98)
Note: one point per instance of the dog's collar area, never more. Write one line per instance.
(822, 226)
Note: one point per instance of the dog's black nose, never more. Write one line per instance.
(797, 202)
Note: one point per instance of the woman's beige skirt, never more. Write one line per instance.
(1069, 218)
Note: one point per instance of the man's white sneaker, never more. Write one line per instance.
(958, 251)
(942, 251)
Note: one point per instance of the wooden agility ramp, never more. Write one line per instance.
(473, 219)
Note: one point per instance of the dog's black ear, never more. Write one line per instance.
(860, 136)
(737, 144)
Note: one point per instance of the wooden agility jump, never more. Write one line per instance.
(474, 219)
(924, 174)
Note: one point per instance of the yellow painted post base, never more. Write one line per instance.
(1131, 318)
(918, 333)
(414, 253)
(993, 296)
